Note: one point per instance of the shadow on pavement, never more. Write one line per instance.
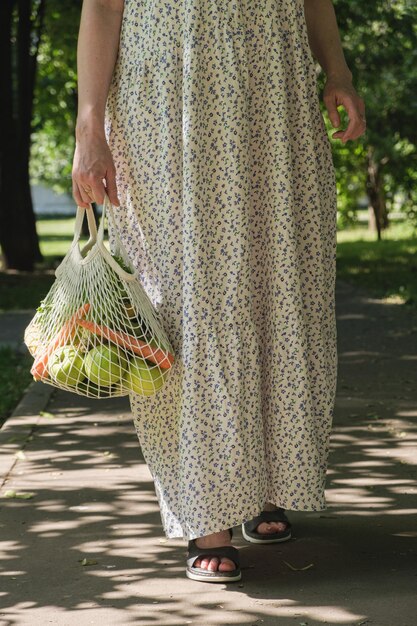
(94, 499)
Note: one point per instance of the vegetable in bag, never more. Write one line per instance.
(96, 333)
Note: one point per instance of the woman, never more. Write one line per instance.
(201, 122)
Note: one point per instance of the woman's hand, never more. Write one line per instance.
(93, 163)
(340, 91)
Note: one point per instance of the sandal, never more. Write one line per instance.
(249, 533)
(204, 575)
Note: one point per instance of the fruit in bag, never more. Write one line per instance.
(96, 332)
(64, 336)
(129, 342)
(66, 366)
(141, 378)
(104, 365)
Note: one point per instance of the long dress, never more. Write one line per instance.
(228, 211)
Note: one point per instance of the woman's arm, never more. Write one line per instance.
(326, 46)
(98, 43)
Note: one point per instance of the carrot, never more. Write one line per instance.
(39, 368)
(130, 342)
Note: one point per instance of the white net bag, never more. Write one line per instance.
(96, 333)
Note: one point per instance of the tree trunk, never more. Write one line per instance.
(6, 119)
(376, 195)
(18, 236)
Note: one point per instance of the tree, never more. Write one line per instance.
(21, 23)
(380, 44)
(55, 104)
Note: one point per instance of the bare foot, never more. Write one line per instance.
(213, 563)
(270, 527)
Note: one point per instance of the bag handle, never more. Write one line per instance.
(107, 207)
(92, 226)
(97, 236)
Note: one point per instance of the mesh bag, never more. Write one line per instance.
(96, 333)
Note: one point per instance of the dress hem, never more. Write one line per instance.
(238, 521)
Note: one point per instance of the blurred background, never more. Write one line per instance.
(376, 175)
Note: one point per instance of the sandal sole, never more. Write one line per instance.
(207, 576)
(213, 577)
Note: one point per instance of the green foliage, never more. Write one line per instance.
(56, 97)
(380, 45)
(123, 264)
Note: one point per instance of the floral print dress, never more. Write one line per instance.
(228, 211)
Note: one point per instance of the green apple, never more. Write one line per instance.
(143, 378)
(66, 366)
(105, 365)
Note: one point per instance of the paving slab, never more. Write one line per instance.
(88, 546)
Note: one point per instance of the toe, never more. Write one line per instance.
(203, 563)
(226, 565)
(265, 528)
(271, 527)
(213, 565)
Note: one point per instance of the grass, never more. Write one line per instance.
(24, 290)
(387, 268)
(14, 378)
(55, 237)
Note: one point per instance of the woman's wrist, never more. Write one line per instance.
(339, 74)
(89, 125)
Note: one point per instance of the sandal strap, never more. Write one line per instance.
(194, 552)
(267, 516)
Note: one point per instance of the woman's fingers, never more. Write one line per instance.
(85, 192)
(357, 125)
(331, 106)
(97, 190)
(94, 190)
(339, 94)
(78, 196)
(93, 166)
(111, 187)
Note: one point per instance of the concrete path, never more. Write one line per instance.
(12, 328)
(88, 546)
